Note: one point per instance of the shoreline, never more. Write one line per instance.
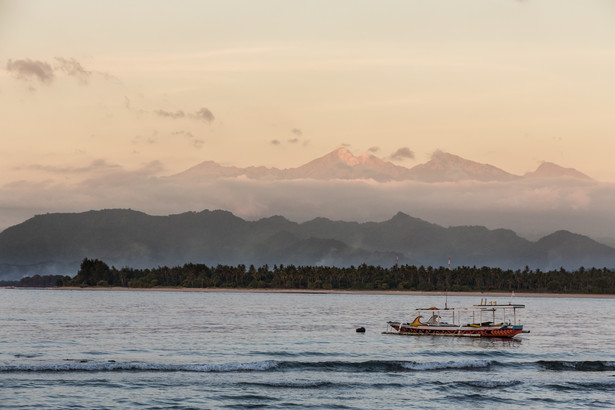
(344, 292)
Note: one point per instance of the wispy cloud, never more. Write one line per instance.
(296, 139)
(373, 150)
(168, 114)
(139, 139)
(96, 165)
(45, 72)
(73, 68)
(402, 154)
(204, 114)
(27, 69)
(196, 142)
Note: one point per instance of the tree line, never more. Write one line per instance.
(94, 272)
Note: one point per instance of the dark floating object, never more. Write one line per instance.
(360, 330)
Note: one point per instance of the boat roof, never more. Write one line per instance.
(476, 308)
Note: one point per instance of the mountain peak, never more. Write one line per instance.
(342, 164)
(344, 155)
(551, 170)
(448, 167)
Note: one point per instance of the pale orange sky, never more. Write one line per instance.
(92, 86)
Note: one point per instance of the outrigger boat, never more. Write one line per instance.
(483, 322)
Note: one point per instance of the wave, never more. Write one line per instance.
(584, 386)
(112, 366)
(375, 366)
(292, 385)
(491, 384)
(369, 366)
(287, 354)
(383, 366)
(582, 365)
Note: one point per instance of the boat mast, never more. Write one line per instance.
(446, 293)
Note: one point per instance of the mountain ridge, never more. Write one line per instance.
(56, 243)
(342, 164)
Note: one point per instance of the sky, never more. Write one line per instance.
(93, 89)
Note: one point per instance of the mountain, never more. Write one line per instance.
(449, 167)
(56, 243)
(341, 164)
(561, 246)
(211, 169)
(551, 170)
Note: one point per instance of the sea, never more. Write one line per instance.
(97, 349)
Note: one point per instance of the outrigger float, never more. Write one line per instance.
(483, 322)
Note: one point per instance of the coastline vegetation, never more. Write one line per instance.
(96, 273)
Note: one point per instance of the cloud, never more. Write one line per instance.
(298, 134)
(26, 69)
(196, 142)
(73, 68)
(373, 150)
(169, 114)
(532, 208)
(186, 134)
(138, 139)
(46, 73)
(97, 165)
(438, 154)
(203, 114)
(402, 154)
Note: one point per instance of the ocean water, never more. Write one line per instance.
(131, 349)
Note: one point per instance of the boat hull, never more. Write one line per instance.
(501, 331)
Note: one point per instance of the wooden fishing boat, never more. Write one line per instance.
(478, 321)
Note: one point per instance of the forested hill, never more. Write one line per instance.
(57, 243)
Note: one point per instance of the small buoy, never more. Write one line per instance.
(360, 330)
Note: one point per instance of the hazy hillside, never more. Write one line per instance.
(56, 243)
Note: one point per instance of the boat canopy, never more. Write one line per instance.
(476, 308)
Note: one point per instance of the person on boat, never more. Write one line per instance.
(434, 319)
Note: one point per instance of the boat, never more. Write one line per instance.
(484, 321)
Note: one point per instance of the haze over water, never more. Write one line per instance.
(235, 350)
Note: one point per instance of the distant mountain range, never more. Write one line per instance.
(56, 243)
(342, 164)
